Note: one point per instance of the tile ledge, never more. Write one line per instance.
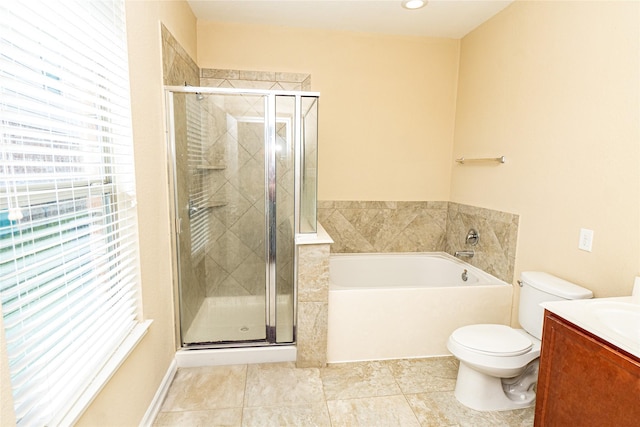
(319, 238)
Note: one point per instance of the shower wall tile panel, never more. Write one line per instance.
(312, 335)
(384, 226)
(235, 260)
(495, 252)
(313, 273)
(313, 297)
(178, 68)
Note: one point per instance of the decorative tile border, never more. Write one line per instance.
(254, 79)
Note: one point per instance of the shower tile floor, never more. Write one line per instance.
(415, 392)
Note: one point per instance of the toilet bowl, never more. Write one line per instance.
(493, 359)
(499, 364)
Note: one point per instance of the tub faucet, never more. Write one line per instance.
(464, 254)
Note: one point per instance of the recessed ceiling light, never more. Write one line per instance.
(414, 4)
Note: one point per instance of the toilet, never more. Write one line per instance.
(499, 364)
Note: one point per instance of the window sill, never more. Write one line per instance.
(105, 374)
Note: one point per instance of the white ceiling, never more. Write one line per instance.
(440, 18)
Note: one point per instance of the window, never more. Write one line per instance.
(68, 228)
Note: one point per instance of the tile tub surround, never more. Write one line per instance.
(364, 226)
(374, 226)
(495, 252)
(416, 392)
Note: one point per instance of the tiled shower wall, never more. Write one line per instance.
(235, 265)
(367, 226)
(179, 69)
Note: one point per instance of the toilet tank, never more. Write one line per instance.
(539, 287)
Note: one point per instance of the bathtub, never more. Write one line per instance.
(405, 305)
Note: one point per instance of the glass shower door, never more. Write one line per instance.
(221, 203)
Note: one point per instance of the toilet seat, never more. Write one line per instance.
(492, 340)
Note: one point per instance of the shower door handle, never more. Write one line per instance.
(193, 209)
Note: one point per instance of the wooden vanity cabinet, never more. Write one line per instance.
(585, 381)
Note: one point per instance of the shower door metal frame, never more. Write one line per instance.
(270, 205)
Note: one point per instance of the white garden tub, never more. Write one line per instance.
(405, 305)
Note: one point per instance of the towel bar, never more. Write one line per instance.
(500, 159)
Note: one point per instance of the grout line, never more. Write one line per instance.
(244, 393)
(324, 394)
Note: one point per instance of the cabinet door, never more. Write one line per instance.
(584, 381)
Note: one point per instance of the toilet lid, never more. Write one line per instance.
(497, 340)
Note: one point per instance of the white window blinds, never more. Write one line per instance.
(68, 230)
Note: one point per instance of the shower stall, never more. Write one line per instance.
(243, 183)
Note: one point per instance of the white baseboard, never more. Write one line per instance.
(156, 402)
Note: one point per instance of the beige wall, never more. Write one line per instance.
(554, 86)
(127, 396)
(386, 106)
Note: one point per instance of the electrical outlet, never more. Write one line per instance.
(586, 239)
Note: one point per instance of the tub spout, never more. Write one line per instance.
(464, 254)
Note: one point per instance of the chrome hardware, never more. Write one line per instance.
(464, 276)
(520, 282)
(500, 159)
(193, 209)
(464, 254)
(179, 225)
(472, 237)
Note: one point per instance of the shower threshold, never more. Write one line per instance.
(231, 330)
(235, 356)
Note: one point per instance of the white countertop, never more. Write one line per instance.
(587, 315)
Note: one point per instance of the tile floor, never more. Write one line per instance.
(416, 392)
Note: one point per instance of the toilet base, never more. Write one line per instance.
(483, 392)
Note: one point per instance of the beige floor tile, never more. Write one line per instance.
(314, 414)
(453, 412)
(427, 411)
(381, 411)
(351, 380)
(519, 417)
(357, 394)
(197, 389)
(215, 417)
(282, 384)
(425, 375)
